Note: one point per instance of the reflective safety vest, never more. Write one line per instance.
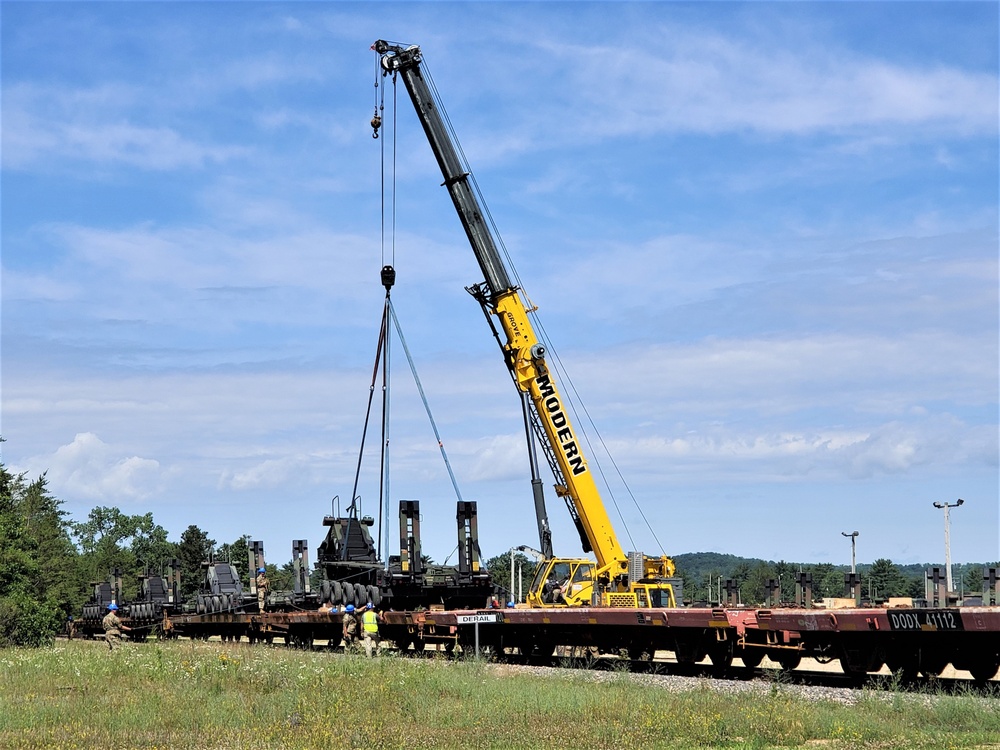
(370, 621)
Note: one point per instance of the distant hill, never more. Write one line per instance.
(698, 564)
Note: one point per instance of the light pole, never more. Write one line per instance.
(853, 535)
(947, 539)
(511, 595)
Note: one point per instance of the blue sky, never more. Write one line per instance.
(762, 239)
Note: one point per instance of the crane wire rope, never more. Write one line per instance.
(423, 398)
(383, 487)
(389, 313)
(531, 309)
(384, 475)
(353, 510)
(385, 337)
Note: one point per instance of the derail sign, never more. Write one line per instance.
(485, 617)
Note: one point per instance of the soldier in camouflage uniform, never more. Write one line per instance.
(113, 627)
(350, 627)
(262, 586)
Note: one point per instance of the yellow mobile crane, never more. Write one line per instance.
(617, 578)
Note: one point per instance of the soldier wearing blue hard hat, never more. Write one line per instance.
(113, 627)
(350, 630)
(262, 586)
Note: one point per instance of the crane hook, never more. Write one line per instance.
(376, 124)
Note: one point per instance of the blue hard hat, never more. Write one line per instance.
(260, 570)
(112, 606)
(369, 605)
(510, 605)
(350, 607)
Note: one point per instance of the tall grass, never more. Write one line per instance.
(190, 694)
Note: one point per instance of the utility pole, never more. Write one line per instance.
(853, 535)
(947, 540)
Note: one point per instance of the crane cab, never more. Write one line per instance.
(569, 582)
(563, 582)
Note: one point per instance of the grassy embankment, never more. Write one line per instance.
(214, 695)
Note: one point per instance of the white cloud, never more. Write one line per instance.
(714, 83)
(90, 469)
(499, 457)
(741, 451)
(74, 126)
(266, 474)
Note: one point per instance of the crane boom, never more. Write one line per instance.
(524, 353)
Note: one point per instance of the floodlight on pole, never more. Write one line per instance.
(853, 535)
(947, 539)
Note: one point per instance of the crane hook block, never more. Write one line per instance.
(388, 277)
(376, 124)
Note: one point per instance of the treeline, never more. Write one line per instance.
(705, 572)
(48, 562)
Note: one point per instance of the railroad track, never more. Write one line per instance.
(801, 677)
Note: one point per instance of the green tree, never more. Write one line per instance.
(150, 546)
(785, 573)
(754, 589)
(885, 580)
(33, 596)
(973, 577)
(828, 580)
(104, 542)
(58, 564)
(195, 548)
(499, 568)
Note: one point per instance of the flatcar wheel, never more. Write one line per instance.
(984, 669)
(542, 648)
(932, 666)
(722, 656)
(752, 657)
(789, 661)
